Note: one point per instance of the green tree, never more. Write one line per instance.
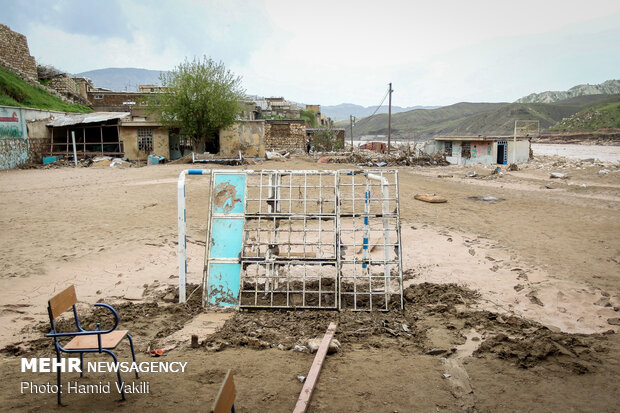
(200, 98)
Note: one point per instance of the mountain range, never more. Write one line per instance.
(476, 118)
(124, 79)
(344, 110)
(608, 87)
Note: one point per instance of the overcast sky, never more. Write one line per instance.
(328, 52)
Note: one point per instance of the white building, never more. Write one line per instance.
(471, 150)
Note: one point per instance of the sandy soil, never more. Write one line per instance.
(514, 291)
(602, 153)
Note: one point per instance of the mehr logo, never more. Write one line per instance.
(69, 365)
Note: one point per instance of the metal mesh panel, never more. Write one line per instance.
(321, 239)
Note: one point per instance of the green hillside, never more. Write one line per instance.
(482, 118)
(16, 92)
(606, 116)
(423, 121)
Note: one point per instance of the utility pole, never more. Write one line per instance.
(390, 120)
(352, 119)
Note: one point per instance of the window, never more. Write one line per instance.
(98, 96)
(447, 149)
(145, 139)
(466, 151)
(185, 143)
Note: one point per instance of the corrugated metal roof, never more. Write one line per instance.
(81, 118)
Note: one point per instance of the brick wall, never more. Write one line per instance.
(287, 135)
(113, 101)
(14, 51)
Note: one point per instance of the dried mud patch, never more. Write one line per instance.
(577, 353)
(436, 319)
(147, 321)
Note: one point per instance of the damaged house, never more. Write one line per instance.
(471, 150)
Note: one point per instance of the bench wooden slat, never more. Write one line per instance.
(109, 341)
(62, 302)
(226, 396)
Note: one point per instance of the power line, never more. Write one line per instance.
(378, 107)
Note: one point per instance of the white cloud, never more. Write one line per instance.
(329, 52)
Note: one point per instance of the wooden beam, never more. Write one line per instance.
(306, 392)
(225, 399)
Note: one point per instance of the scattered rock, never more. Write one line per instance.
(558, 175)
(472, 174)
(513, 167)
(615, 321)
(301, 379)
(447, 375)
(435, 352)
(486, 198)
(472, 252)
(603, 302)
(603, 172)
(533, 299)
(314, 343)
(300, 348)
(518, 287)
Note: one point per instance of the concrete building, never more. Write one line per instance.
(472, 150)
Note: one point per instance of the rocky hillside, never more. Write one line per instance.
(606, 116)
(609, 87)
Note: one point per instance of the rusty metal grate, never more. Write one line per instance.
(315, 239)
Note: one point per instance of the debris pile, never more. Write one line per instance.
(396, 158)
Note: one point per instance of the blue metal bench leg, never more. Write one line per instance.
(118, 373)
(58, 376)
(81, 364)
(133, 353)
(232, 409)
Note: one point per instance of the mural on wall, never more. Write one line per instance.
(13, 138)
(12, 124)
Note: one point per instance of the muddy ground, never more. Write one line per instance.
(509, 305)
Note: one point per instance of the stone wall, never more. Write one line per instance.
(68, 87)
(129, 137)
(103, 101)
(14, 51)
(247, 137)
(289, 135)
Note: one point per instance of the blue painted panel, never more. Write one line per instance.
(229, 194)
(226, 235)
(224, 283)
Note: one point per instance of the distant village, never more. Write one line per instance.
(121, 126)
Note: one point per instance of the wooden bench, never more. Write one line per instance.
(84, 341)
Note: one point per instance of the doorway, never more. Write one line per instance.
(502, 152)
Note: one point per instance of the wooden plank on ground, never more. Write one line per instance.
(313, 375)
(226, 396)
